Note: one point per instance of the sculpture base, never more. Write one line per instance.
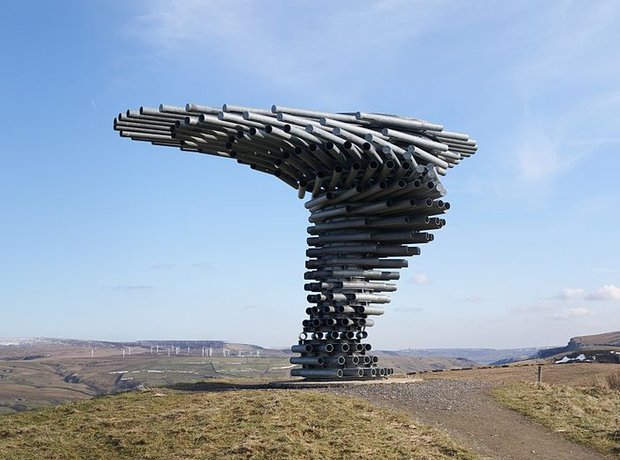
(342, 373)
(302, 383)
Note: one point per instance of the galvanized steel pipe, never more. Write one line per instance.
(375, 186)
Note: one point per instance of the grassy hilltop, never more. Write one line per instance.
(168, 424)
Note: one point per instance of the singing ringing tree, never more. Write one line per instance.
(376, 195)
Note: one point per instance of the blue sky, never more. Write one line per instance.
(101, 237)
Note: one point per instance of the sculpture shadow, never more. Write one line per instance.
(216, 387)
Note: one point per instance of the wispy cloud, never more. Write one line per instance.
(162, 267)
(571, 38)
(202, 266)
(538, 156)
(607, 292)
(556, 132)
(408, 309)
(566, 297)
(542, 306)
(570, 294)
(171, 266)
(606, 270)
(419, 278)
(292, 48)
(130, 287)
(571, 313)
(474, 298)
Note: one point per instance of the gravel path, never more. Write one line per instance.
(467, 411)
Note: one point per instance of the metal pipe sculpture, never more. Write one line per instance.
(376, 192)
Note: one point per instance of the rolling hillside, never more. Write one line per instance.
(602, 347)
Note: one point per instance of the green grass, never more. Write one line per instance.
(589, 416)
(267, 424)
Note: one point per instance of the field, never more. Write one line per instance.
(588, 374)
(49, 375)
(40, 374)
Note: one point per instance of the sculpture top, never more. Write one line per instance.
(302, 147)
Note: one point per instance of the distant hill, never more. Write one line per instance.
(46, 345)
(478, 355)
(407, 364)
(597, 345)
(416, 359)
(609, 339)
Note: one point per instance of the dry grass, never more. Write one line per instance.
(589, 416)
(577, 374)
(167, 424)
(613, 381)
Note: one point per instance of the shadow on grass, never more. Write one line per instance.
(214, 387)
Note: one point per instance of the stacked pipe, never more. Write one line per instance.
(376, 196)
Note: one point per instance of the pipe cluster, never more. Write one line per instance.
(376, 194)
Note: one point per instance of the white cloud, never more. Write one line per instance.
(534, 308)
(607, 292)
(474, 298)
(570, 313)
(570, 294)
(538, 157)
(606, 270)
(420, 278)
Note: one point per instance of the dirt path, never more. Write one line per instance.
(467, 411)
